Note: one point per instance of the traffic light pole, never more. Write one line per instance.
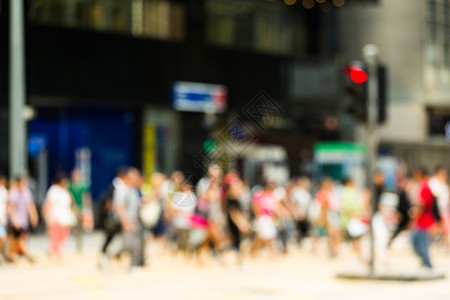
(370, 53)
(17, 125)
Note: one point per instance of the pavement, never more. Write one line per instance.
(299, 275)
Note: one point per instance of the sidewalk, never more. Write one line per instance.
(300, 275)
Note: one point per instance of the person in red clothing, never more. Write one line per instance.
(424, 218)
(328, 221)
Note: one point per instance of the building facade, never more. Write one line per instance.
(99, 75)
(413, 39)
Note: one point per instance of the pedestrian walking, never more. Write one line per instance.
(108, 218)
(264, 208)
(327, 220)
(127, 203)
(80, 194)
(352, 214)
(59, 212)
(301, 198)
(403, 208)
(21, 211)
(425, 216)
(236, 221)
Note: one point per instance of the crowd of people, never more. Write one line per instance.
(222, 213)
(66, 207)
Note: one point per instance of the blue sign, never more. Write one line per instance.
(36, 144)
(199, 97)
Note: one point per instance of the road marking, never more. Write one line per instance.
(90, 285)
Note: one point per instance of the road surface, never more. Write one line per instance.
(300, 275)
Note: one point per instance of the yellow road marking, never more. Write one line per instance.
(92, 287)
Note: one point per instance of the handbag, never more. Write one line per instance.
(87, 220)
(67, 219)
(150, 214)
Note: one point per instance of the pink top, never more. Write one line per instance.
(266, 202)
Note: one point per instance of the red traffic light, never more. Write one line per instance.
(357, 75)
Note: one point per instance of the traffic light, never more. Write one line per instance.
(356, 81)
(382, 96)
(357, 74)
(356, 77)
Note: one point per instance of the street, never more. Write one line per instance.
(300, 275)
(219, 125)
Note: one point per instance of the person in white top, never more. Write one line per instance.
(439, 188)
(183, 206)
(213, 174)
(301, 197)
(58, 211)
(3, 216)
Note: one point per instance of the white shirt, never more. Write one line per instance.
(168, 189)
(302, 197)
(128, 197)
(279, 192)
(184, 203)
(117, 182)
(440, 191)
(60, 201)
(3, 201)
(202, 185)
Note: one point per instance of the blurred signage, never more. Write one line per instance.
(36, 144)
(199, 97)
(83, 163)
(339, 152)
(339, 160)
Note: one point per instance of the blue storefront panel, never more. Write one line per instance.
(108, 135)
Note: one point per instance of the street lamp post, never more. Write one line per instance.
(370, 53)
(17, 128)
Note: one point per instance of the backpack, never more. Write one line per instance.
(435, 210)
(434, 207)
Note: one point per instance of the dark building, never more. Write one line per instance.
(99, 75)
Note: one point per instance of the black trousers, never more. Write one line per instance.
(401, 226)
(110, 233)
(302, 229)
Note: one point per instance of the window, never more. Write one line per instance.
(163, 20)
(437, 44)
(446, 12)
(160, 19)
(263, 26)
(432, 31)
(431, 9)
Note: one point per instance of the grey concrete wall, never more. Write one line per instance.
(395, 26)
